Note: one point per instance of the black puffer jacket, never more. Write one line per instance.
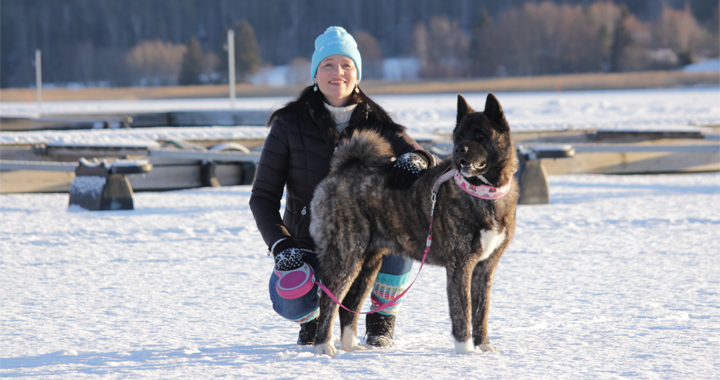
(296, 154)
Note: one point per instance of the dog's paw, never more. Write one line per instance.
(487, 348)
(350, 341)
(354, 348)
(325, 349)
(465, 347)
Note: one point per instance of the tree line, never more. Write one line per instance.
(158, 42)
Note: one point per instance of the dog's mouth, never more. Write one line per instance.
(472, 169)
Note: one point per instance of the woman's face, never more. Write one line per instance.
(336, 77)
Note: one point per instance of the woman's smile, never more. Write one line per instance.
(337, 77)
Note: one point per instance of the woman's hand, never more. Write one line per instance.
(288, 255)
(404, 171)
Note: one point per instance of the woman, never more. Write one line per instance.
(297, 153)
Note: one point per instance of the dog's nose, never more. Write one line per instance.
(462, 148)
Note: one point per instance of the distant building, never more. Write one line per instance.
(401, 68)
(708, 65)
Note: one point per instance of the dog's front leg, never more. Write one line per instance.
(458, 289)
(481, 286)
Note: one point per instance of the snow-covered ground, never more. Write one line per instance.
(669, 109)
(618, 277)
(675, 109)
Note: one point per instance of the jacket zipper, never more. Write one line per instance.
(297, 227)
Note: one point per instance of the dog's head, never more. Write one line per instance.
(484, 151)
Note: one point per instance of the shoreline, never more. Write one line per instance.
(571, 82)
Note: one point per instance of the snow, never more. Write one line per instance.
(617, 277)
(139, 137)
(640, 110)
(91, 186)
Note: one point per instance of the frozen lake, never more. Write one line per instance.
(682, 108)
(619, 276)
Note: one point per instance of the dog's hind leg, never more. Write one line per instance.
(354, 298)
(337, 279)
(459, 299)
(481, 286)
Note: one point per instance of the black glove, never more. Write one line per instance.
(287, 255)
(404, 171)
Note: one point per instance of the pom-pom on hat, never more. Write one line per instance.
(335, 40)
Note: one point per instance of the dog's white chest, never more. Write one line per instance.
(491, 239)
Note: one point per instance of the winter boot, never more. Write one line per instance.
(306, 337)
(379, 330)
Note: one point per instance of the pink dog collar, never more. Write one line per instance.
(295, 283)
(481, 191)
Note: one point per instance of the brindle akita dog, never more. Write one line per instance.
(357, 219)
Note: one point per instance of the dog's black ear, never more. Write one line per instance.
(494, 112)
(463, 109)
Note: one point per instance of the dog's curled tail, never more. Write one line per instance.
(365, 148)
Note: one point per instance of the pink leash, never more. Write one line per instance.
(444, 177)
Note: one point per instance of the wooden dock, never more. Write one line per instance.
(187, 118)
(176, 166)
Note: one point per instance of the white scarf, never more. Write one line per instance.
(341, 115)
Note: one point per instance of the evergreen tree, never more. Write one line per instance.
(478, 46)
(192, 64)
(605, 38)
(621, 39)
(247, 51)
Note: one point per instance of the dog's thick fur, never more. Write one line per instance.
(357, 219)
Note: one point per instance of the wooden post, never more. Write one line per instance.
(38, 76)
(231, 66)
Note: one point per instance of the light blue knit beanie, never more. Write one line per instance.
(335, 40)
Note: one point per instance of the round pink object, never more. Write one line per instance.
(295, 283)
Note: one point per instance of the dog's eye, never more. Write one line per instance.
(460, 137)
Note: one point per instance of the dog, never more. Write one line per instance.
(357, 219)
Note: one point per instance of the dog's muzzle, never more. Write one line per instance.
(469, 166)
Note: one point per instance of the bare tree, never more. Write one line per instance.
(420, 46)
(549, 38)
(679, 31)
(156, 63)
(442, 48)
(372, 56)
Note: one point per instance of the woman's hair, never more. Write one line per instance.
(315, 100)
